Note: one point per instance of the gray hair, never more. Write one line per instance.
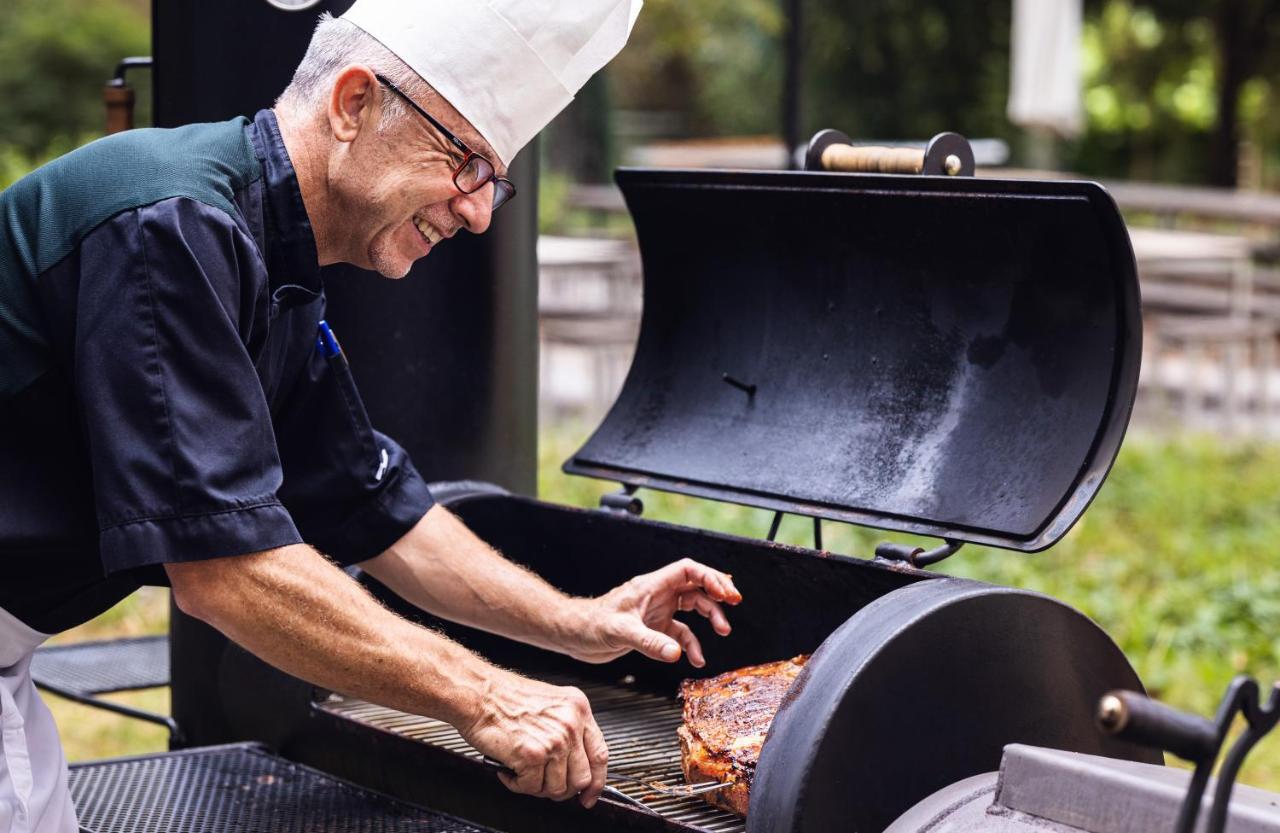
(338, 43)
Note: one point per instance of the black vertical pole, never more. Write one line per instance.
(791, 80)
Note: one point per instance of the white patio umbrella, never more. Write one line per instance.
(1044, 89)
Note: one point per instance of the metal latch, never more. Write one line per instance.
(1131, 716)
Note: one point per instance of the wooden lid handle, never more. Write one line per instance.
(947, 154)
(872, 160)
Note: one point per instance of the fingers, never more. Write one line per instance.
(555, 777)
(681, 632)
(578, 773)
(597, 760)
(701, 602)
(530, 778)
(651, 643)
(718, 585)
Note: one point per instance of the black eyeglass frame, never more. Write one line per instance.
(501, 185)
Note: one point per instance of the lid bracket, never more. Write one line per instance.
(777, 522)
(773, 527)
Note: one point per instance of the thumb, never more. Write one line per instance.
(649, 642)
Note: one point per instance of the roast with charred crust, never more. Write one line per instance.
(726, 719)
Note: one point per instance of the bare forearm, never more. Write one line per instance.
(298, 612)
(443, 568)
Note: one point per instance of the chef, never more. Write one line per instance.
(174, 410)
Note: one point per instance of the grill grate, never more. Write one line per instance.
(640, 729)
(237, 789)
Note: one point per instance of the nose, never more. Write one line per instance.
(474, 209)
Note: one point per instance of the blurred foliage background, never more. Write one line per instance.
(55, 57)
(1172, 88)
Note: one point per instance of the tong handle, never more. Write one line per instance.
(613, 792)
(1134, 717)
(497, 766)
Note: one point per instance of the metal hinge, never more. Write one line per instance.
(623, 501)
(917, 556)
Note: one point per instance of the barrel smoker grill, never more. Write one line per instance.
(953, 358)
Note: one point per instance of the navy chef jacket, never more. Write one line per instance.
(162, 394)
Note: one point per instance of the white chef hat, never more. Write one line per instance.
(508, 66)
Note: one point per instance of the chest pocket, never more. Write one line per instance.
(361, 430)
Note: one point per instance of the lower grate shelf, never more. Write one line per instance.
(639, 727)
(242, 788)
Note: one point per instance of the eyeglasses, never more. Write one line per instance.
(475, 171)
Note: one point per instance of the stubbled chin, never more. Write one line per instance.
(393, 255)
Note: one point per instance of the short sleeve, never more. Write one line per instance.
(352, 490)
(179, 432)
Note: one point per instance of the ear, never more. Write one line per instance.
(353, 102)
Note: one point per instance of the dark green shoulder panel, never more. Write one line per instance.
(45, 215)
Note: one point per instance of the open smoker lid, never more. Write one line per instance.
(943, 356)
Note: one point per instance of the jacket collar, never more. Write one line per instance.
(292, 260)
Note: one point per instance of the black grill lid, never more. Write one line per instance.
(941, 356)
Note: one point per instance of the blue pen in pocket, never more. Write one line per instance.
(327, 342)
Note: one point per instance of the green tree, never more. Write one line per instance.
(715, 62)
(1247, 33)
(55, 57)
(1172, 87)
(907, 69)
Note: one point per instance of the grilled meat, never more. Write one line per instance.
(726, 719)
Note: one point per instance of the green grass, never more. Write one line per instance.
(1177, 560)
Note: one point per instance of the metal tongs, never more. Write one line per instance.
(613, 792)
(679, 791)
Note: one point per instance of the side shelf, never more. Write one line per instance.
(238, 787)
(85, 671)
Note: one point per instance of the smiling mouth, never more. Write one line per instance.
(429, 232)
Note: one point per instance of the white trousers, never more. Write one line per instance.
(34, 797)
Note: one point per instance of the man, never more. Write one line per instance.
(173, 409)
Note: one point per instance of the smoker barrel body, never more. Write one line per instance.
(918, 679)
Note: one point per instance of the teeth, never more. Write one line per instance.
(429, 231)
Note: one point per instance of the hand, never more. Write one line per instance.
(640, 615)
(546, 734)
